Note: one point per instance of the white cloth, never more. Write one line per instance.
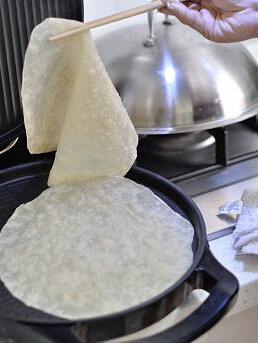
(245, 236)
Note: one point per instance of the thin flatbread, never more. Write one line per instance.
(77, 109)
(93, 248)
(98, 138)
(48, 78)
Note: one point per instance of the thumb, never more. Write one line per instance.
(186, 15)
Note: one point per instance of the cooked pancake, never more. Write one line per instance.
(71, 105)
(93, 248)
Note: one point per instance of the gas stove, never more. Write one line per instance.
(200, 162)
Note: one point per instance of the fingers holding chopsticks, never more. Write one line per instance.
(187, 12)
(223, 21)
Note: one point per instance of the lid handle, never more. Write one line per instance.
(151, 39)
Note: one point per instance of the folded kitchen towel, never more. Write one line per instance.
(245, 236)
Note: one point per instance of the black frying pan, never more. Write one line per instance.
(23, 183)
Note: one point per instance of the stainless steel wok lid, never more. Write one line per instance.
(181, 82)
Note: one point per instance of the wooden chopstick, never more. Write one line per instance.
(110, 19)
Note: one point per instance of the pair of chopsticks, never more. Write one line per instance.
(110, 19)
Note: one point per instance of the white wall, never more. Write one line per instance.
(98, 8)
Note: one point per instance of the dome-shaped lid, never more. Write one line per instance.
(182, 82)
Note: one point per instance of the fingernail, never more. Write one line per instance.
(169, 5)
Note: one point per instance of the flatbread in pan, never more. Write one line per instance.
(93, 248)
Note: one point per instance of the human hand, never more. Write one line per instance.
(220, 21)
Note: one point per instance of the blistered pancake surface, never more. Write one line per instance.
(70, 105)
(88, 249)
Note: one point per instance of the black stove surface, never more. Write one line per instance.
(232, 156)
(198, 162)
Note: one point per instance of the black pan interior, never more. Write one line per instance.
(23, 183)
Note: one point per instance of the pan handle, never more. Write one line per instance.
(210, 276)
(222, 286)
